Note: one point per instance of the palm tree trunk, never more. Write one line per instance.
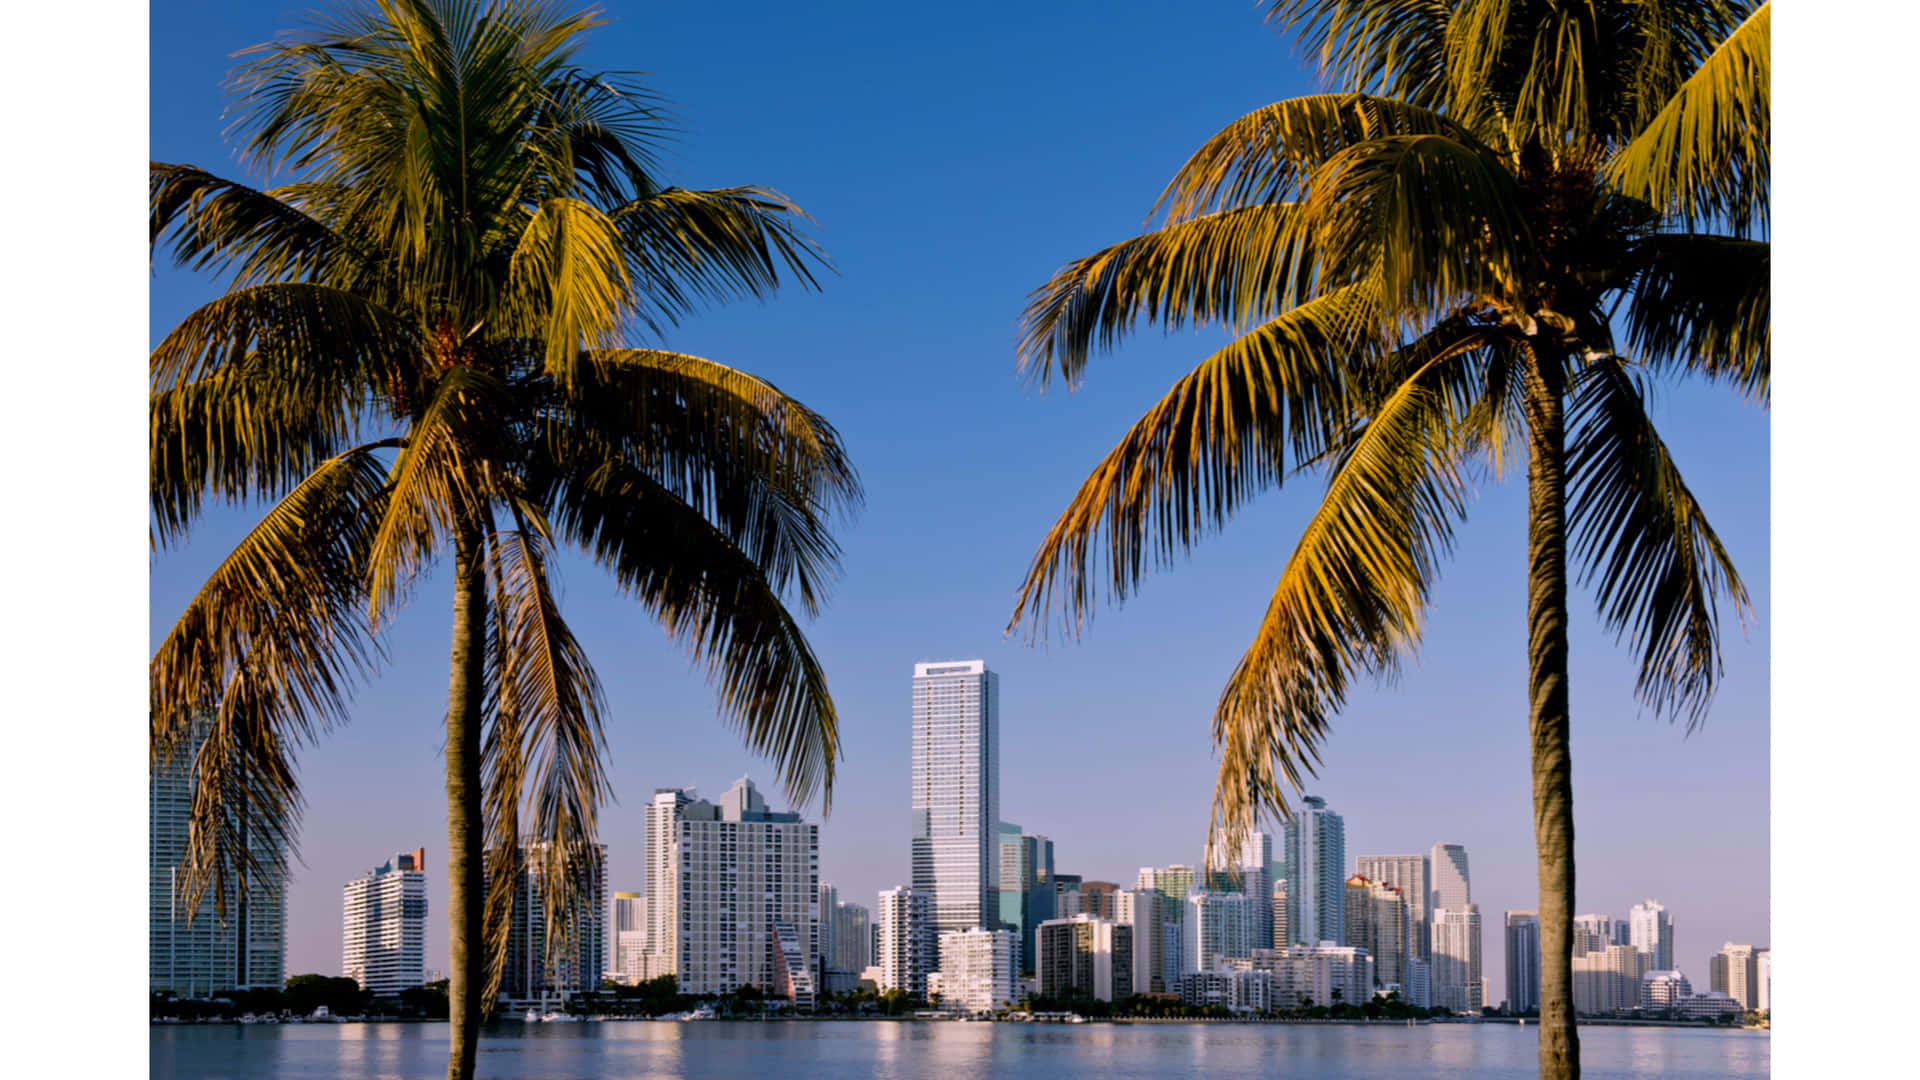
(1547, 716)
(465, 890)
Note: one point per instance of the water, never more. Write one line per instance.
(882, 1050)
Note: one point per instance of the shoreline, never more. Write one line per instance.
(1122, 1021)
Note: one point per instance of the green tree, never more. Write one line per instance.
(418, 358)
(1428, 268)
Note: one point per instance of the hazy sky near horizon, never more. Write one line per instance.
(951, 165)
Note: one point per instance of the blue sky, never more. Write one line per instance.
(952, 163)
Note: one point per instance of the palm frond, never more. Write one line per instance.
(768, 471)
(218, 225)
(1433, 221)
(1220, 435)
(1657, 567)
(262, 659)
(1705, 155)
(1352, 595)
(545, 701)
(687, 247)
(1704, 303)
(713, 600)
(1393, 48)
(240, 434)
(440, 478)
(1266, 155)
(569, 285)
(309, 334)
(1231, 266)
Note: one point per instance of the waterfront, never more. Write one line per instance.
(881, 1050)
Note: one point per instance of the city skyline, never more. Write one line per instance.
(953, 514)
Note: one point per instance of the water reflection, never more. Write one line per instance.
(891, 1050)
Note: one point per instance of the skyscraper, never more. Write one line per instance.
(383, 933)
(722, 879)
(1085, 957)
(1650, 929)
(1377, 922)
(956, 793)
(629, 937)
(1216, 927)
(538, 965)
(1412, 875)
(1452, 885)
(1456, 958)
(1026, 886)
(197, 950)
(1523, 960)
(906, 939)
(1172, 883)
(1592, 933)
(1144, 910)
(1316, 873)
(1735, 972)
(1249, 869)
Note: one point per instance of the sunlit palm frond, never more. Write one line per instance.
(768, 471)
(716, 602)
(242, 433)
(1266, 155)
(1705, 156)
(1657, 567)
(545, 700)
(1432, 221)
(685, 247)
(1704, 303)
(439, 479)
(568, 286)
(1352, 595)
(1233, 267)
(1220, 435)
(1393, 48)
(261, 659)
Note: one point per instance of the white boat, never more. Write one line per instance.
(532, 1017)
(558, 1018)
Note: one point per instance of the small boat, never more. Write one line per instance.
(532, 1017)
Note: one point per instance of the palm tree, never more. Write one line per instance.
(418, 356)
(1505, 218)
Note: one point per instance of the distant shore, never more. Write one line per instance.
(1323, 1021)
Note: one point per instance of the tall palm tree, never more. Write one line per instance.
(1505, 217)
(418, 356)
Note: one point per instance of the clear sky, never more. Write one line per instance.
(952, 161)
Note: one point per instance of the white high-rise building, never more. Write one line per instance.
(1316, 873)
(197, 950)
(1412, 875)
(1735, 972)
(846, 941)
(1217, 927)
(629, 938)
(906, 939)
(1650, 929)
(1763, 978)
(1452, 885)
(1456, 970)
(1255, 867)
(979, 970)
(383, 934)
(1592, 933)
(956, 793)
(1143, 909)
(722, 878)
